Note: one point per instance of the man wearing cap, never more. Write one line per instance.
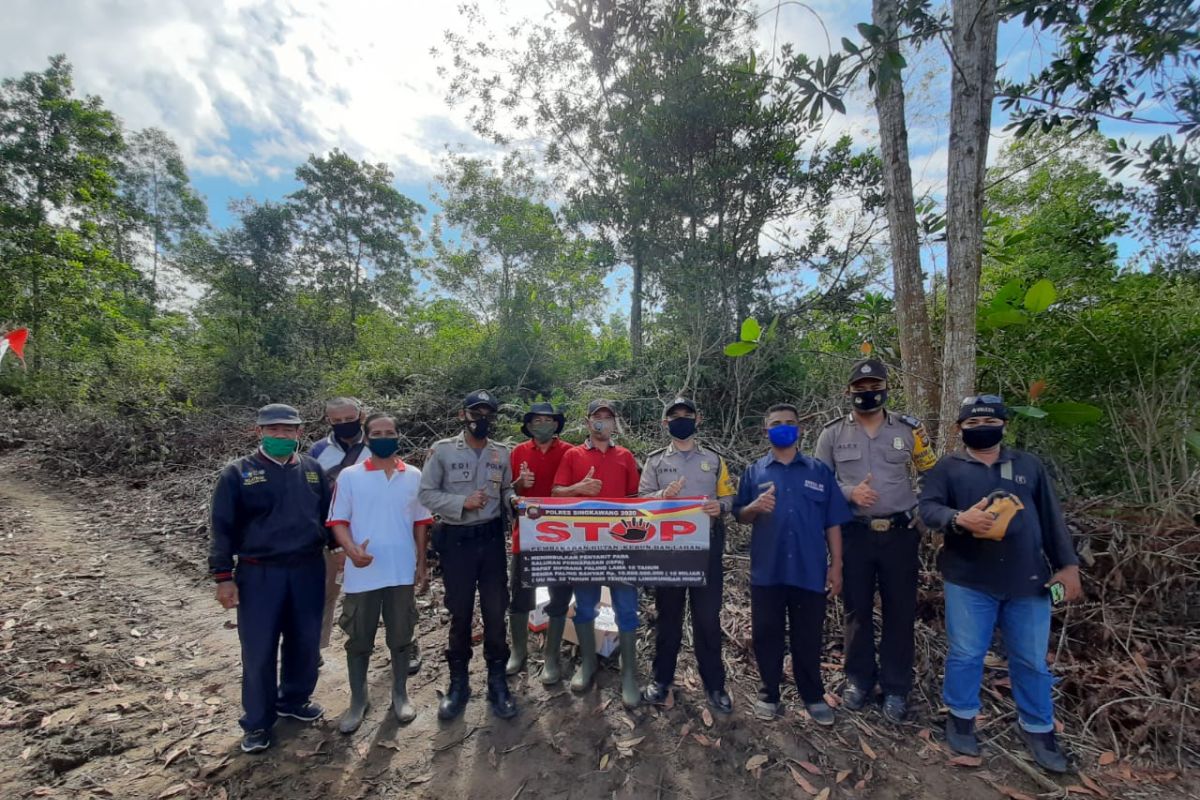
(268, 513)
(467, 481)
(600, 468)
(874, 453)
(534, 464)
(691, 470)
(1004, 534)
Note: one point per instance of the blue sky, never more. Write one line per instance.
(249, 88)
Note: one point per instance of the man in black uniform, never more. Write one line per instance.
(1004, 534)
(875, 453)
(467, 481)
(268, 511)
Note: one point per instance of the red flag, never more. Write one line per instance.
(16, 341)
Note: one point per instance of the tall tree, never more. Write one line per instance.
(972, 89)
(920, 375)
(358, 234)
(159, 195)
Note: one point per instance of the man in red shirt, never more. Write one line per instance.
(534, 465)
(599, 468)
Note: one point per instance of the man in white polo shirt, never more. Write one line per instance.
(376, 517)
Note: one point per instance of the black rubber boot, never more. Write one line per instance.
(401, 707)
(631, 695)
(1045, 750)
(552, 671)
(518, 625)
(501, 699)
(456, 697)
(356, 669)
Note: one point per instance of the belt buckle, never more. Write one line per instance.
(881, 525)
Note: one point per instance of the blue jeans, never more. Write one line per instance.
(624, 600)
(971, 617)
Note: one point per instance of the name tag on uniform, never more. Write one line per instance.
(816, 487)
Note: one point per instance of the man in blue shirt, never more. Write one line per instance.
(1004, 534)
(797, 510)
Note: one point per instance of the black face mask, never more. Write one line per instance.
(682, 427)
(383, 447)
(870, 400)
(480, 428)
(347, 431)
(982, 437)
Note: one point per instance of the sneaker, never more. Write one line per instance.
(895, 708)
(256, 741)
(1044, 747)
(960, 735)
(719, 701)
(765, 710)
(656, 693)
(821, 713)
(309, 712)
(854, 697)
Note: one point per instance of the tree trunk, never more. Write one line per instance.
(912, 314)
(973, 71)
(635, 303)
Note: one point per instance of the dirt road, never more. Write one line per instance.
(120, 679)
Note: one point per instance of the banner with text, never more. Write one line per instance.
(590, 540)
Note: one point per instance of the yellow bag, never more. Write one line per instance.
(1003, 506)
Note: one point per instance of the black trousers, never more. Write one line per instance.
(473, 558)
(278, 601)
(800, 613)
(887, 560)
(525, 600)
(670, 602)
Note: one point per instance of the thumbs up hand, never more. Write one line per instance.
(674, 487)
(590, 486)
(525, 477)
(976, 520)
(863, 495)
(358, 555)
(765, 502)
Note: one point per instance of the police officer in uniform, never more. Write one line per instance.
(685, 468)
(467, 481)
(871, 450)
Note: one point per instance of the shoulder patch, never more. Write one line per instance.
(910, 420)
(833, 422)
(654, 453)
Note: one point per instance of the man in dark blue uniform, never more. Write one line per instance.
(1004, 534)
(268, 512)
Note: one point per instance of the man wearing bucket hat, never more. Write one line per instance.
(876, 455)
(1004, 533)
(268, 513)
(534, 465)
(467, 481)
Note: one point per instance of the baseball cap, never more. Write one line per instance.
(687, 403)
(982, 405)
(596, 405)
(868, 368)
(278, 414)
(481, 397)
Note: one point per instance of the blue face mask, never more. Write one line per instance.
(783, 435)
(383, 447)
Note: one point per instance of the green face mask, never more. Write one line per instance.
(543, 431)
(279, 448)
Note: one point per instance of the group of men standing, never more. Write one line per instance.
(847, 521)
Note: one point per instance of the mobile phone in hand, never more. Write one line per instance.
(1058, 593)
